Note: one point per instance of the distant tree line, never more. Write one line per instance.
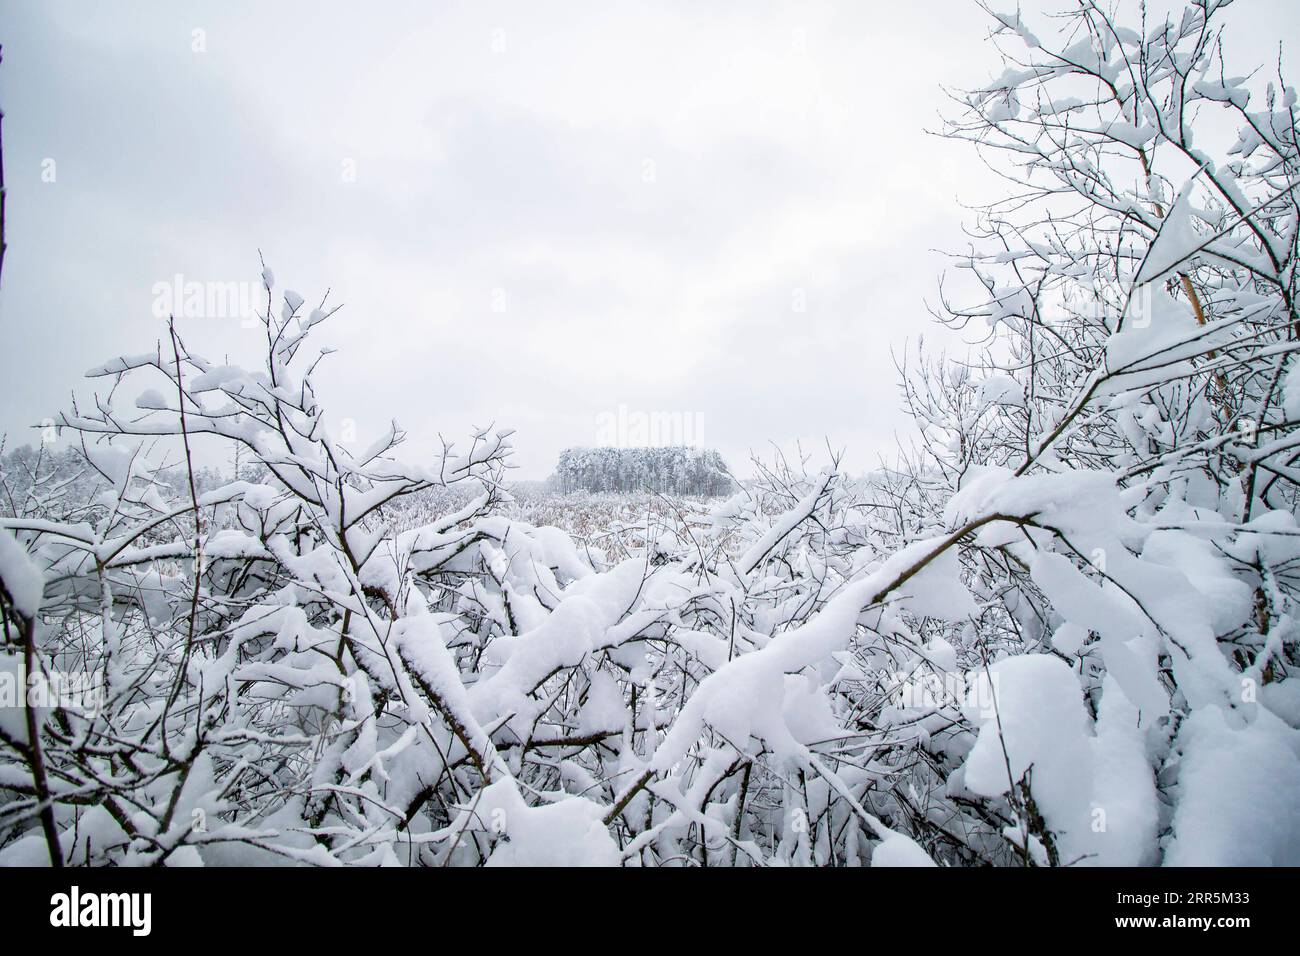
(672, 469)
(63, 474)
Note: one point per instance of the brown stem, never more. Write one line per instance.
(35, 758)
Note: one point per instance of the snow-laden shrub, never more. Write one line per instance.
(1061, 631)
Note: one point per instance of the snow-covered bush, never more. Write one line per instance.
(1060, 631)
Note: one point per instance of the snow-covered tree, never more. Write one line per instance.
(1061, 630)
(672, 469)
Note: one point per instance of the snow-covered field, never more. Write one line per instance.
(1060, 628)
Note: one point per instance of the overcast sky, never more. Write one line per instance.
(534, 213)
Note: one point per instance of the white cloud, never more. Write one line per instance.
(789, 156)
